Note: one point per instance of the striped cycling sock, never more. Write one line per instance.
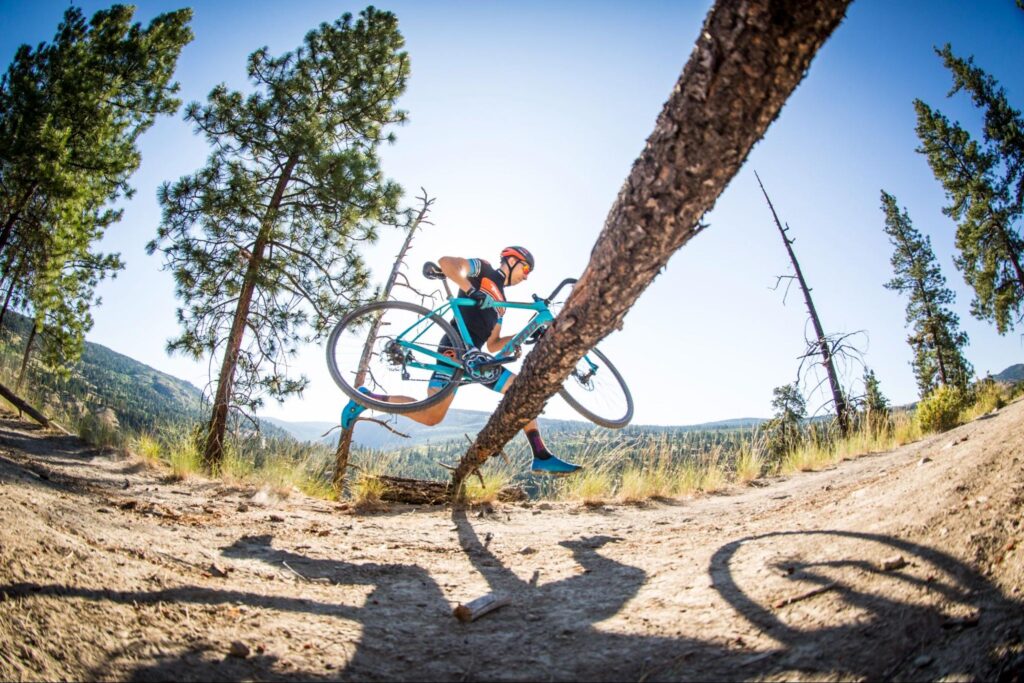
(537, 444)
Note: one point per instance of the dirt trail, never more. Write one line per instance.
(903, 565)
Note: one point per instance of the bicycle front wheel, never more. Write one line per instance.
(597, 391)
(404, 352)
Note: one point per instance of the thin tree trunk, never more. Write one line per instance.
(10, 292)
(213, 453)
(5, 234)
(24, 358)
(826, 354)
(749, 57)
(341, 454)
(1014, 258)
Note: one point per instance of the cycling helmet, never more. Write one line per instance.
(520, 253)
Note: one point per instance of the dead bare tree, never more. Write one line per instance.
(821, 344)
(749, 57)
(341, 454)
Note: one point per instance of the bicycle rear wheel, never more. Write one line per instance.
(597, 391)
(399, 362)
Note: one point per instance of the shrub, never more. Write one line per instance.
(940, 410)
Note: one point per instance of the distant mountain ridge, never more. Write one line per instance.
(1012, 374)
(143, 397)
(459, 422)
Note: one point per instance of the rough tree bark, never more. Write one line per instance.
(749, 57)
(345, 440)
(213, 453)
(838, 399)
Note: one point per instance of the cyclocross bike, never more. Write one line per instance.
(405, 354)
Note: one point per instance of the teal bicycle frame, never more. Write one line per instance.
(542, 318)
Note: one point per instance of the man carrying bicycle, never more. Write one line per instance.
(483, 283)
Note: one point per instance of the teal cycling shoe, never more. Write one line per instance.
(352, 410)
(553, 466)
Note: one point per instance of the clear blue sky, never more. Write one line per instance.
(525, 119)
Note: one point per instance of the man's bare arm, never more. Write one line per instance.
(496, 342)
(457, 270)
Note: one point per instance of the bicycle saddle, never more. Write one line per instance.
(432, 271)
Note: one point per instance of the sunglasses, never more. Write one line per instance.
(526, 268)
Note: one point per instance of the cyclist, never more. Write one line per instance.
(480, 281)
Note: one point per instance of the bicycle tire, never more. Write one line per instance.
(610, 422)
(353, 393)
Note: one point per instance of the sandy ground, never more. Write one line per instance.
(902, 565)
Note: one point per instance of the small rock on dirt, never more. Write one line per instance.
(924, 460)
(923, 661)
(238, 649)
(527, 551)
(275, 518)
(217, 571)
(893, 563)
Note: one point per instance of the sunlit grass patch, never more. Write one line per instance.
(147, 447)
(988, 396)
(688, 478)
(808, 457)
(640, 484)
(713, 476)
(496, 477)
(750, 464)
(905, 428)
(366, 491)
(590, 486)
(184, 458)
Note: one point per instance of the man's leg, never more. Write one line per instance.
(544, 462)
(429, 416)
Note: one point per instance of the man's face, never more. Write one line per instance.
(520, 271)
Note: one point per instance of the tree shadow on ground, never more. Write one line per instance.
(553, 630)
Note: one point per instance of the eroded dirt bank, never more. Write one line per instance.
(903, 565)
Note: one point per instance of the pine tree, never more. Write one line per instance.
(984, 183)
(262, 240)
(875, 404)
(784, 428)
(71, 112)
(936, 337)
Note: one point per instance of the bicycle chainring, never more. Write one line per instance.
(472, 359)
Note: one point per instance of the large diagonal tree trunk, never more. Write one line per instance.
(213, 453)
(749, 57)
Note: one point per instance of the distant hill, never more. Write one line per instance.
(1012, 374)
(459, 422)
(142, 397)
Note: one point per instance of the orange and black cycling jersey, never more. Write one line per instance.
(480, 322)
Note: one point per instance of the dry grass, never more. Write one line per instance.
(592, 487)
(750, 465)
(147, 447)
(496, 477)
(366, 492)
(905, 429)
(185, 460)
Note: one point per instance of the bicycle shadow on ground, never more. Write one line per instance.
(920, 613)
(552, 630)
